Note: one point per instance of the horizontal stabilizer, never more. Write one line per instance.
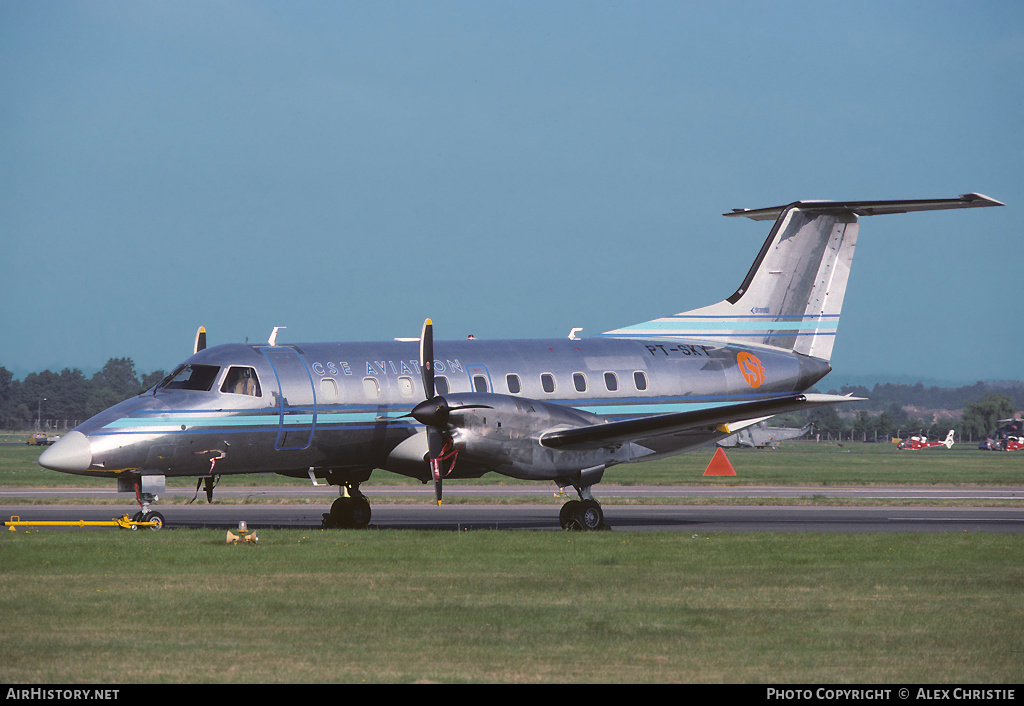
(600, 435)
(870, 208)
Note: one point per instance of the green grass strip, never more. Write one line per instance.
(109, 606)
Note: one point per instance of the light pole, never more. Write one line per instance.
(39, 415)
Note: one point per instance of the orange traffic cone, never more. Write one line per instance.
(719, 465)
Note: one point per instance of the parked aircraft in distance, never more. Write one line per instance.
(760, 436)
(915, 443)
(560, 410)
(1008, 437)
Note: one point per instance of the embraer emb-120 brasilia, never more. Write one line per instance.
(558, 410)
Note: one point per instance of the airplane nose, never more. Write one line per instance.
(71, 454)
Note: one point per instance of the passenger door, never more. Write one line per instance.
(296, 398)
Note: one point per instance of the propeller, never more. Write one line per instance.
(435, 412)
(200, 340)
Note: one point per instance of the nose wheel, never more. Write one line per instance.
(155, 517)
(145, 514)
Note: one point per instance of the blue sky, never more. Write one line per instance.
(510, 169)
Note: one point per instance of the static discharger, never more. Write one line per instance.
(123, 522)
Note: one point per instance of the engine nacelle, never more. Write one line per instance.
(503, 433)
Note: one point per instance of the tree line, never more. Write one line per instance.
(56, 401)
(889, 411)
(63, 400)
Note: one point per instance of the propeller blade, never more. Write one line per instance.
(427, 358)
(200, 340)
(435, 450)
(208, 484)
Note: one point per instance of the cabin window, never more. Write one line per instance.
(611, 381)
(441, 386)
(371, 388)
(579, 381)
(515, 386)
(329, 388)
(640, 380)
(480, 383)
(241, 381)
(405, 387)
(547, 382)
(191, 377)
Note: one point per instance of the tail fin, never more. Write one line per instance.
(949, 440)
(793, 294)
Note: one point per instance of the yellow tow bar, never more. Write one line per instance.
(123, 522)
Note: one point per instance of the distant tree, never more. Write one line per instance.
(118, 376)
(982, 417)
(829, 423)
(884, 424)
(153, 378)
(862, 426)
(8, 404)
(71, 398)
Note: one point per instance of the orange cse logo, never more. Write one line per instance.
(751, 367)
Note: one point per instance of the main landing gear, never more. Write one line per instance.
(584, 514)
(350, 511)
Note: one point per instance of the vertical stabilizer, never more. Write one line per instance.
(793, 294)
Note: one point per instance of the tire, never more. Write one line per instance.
(567, 515)
(359, 512)
(154, 517)
(590, 516)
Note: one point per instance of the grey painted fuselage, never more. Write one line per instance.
(345, 406)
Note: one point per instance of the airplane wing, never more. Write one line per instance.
(602, 435)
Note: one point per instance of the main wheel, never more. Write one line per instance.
(567, 515)
(348, 513)
(360, 512)
(590, 516)
(341, 514)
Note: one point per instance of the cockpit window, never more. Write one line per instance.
(191, 377)
(241, 381)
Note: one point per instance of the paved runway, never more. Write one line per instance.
(619, 517)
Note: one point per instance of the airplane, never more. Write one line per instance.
(557, 410)
(760, 436)
(915, 443)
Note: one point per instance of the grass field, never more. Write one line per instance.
(797, 463)
(181, 606)
(492, 606)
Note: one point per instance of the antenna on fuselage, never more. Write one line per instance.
(273, 335)
(200, 340)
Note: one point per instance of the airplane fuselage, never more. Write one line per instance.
(344, 407)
